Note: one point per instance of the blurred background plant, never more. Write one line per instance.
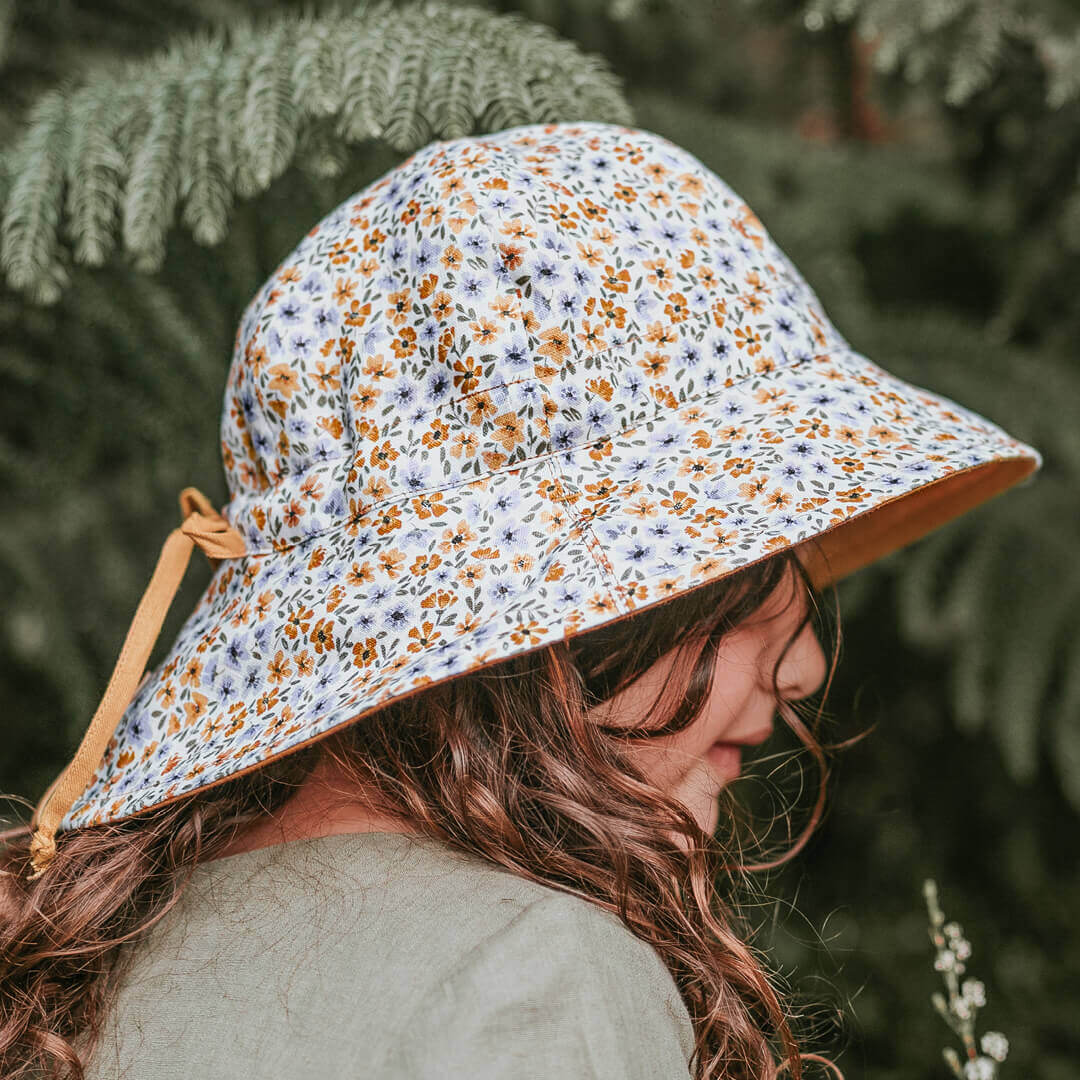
(919, 160)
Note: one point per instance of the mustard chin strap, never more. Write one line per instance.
(203, 527)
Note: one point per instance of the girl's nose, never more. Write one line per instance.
(803, 668)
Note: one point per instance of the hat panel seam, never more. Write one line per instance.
(582, 526)
(233, 512)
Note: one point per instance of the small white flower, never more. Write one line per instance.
(962, 1008)
(953, 930)
(995, 1044)
(944, 961)
(962, 948)
(974, 992)
(982, 1068)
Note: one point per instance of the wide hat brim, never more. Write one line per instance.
(287, 646)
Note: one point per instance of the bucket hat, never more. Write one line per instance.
(521, 385)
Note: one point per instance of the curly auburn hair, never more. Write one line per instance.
(501, 762)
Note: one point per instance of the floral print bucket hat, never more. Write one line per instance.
(523, 384)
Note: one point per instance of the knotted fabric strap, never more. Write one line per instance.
(203, 527)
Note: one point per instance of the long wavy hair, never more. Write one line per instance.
(501, 762)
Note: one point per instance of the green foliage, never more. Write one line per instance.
(962, 43)
(223, 113)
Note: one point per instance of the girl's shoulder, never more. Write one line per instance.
(393, 956)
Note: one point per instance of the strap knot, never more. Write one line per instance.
(214, 535)
(202, 527)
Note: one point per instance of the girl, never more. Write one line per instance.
(540, 455)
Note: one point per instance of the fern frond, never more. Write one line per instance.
(206, 194)
(29, 234)
(224, 115)
(94, 190)
(154, 181)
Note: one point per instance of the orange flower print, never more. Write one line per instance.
(615, 280)
(398, 307)
(591, 336)
(739, 466)
(509, 431)
(479, 407)
(471, 573)
(753, 303)
(609, 313)
(167, 694)
(849, 464)
(660, 275)
(641, 508)
(778, 500)
(849, 434)
(456, 538)
(425, 563)
(326, 378)
(377, 367)
(679, 503)
(364, 397)
(654, 364)
(511, 255)
(812, 427)
(659, 334)
(556, 344)
(297, 621)
(192, 673)
(279, 669)
(390, 562)
(531, 632)
(382, 456)
(676, 308)
(322, 636)
(749, 337)
(752, 488)
(213, 726)
(195, 709)
(468, 371)
(435, 436)
(359, 575)
(464, 444)
(387, 520)
(697, 467)
(563, 216)
(305, 663)
(423, 637)
(292, 513)
(266, 700)
(365, 653)
(285, 381)
(591, 211)
(404, 345)
(429, 505)
(357, 516)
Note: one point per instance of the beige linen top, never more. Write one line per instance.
(379, 955)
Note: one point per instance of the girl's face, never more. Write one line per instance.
(695, 763)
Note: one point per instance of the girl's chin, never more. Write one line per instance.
(725, 759)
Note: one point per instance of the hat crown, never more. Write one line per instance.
(502, 296)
